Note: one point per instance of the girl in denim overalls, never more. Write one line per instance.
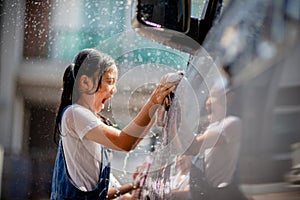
(82, 165)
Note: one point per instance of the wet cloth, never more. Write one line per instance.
(169, 117)
(177, 119)
(161, 114)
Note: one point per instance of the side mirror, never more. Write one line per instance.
(168, 14)
(180, 24)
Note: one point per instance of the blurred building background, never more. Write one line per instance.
(39, 39)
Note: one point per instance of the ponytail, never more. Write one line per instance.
(86, 62)
(66, 99)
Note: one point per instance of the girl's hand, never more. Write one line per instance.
(164, 88)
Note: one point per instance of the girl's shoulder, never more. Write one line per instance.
(78, 119)
(78, 112)
(232, 125)
(76, 108)
(231, 119)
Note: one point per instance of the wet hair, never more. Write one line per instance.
(86, 62)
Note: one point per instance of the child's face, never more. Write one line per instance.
(214, 107)
(107, 89)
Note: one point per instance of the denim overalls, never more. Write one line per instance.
(62, 188)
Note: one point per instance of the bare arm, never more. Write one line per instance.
(131, 187)
(115, 192)
(204, 141)
(128, 138)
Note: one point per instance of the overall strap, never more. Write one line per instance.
(104, 175)
(63, 188)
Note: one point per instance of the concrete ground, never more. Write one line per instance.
(277, 196)
(272, 191)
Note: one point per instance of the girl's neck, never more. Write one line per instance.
(85, 103)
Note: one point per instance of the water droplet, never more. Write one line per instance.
(125, 163)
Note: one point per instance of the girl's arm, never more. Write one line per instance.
(207, 140)
(116, 192)
(128, 138)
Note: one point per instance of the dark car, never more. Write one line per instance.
(257, 43)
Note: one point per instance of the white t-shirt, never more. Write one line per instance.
(221, 160)
(83, 156)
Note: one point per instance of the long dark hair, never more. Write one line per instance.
(86, 62)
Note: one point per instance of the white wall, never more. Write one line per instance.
(10, 58)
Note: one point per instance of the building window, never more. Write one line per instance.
(59, 29)
(36, 29)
